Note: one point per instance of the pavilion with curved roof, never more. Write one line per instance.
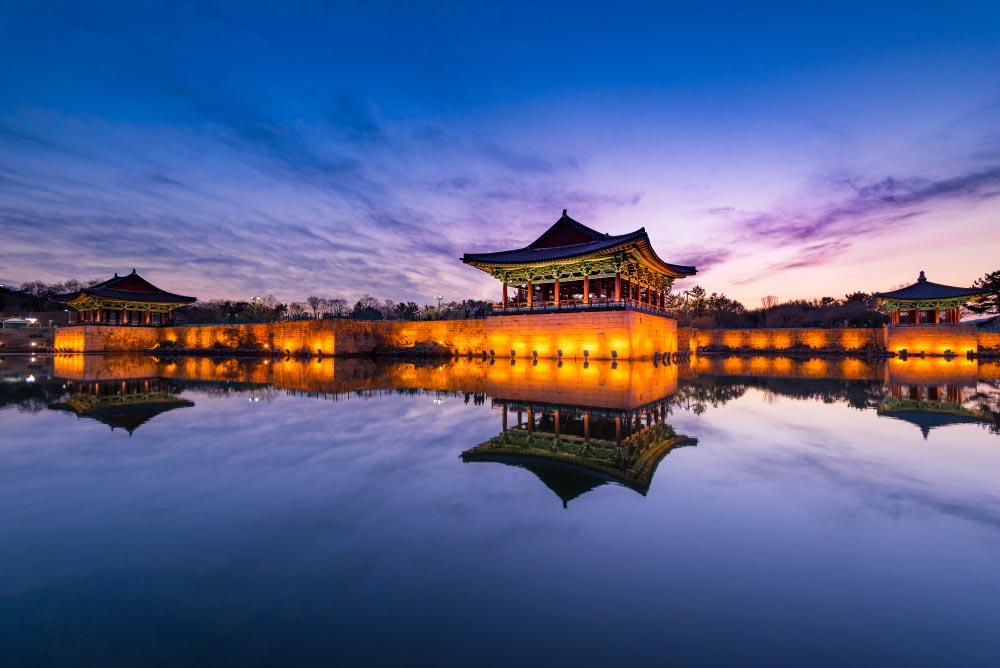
(925, 302)
(124, 300)
(571, 266)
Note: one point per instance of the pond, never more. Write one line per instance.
(345, 512)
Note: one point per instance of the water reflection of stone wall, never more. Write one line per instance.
(843, 369)
(326, 375)
(597, 384)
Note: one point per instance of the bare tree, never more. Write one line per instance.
(315, 303)
(768, 302)
(337, 307)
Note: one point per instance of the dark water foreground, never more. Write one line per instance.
(732, 512)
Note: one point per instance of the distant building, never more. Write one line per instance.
(124, 300)
(16, 323)
(573, 267)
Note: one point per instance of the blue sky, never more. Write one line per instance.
(342, 148)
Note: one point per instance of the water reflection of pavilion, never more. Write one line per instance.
(932, 406)
(122, 404)
(574, 449)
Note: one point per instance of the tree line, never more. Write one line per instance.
(697, 308)
(694, 307)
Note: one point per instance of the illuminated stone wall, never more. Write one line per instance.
(933, 339)
(793, 337)
(106, 339)
(631, 334)
(988, 341)
(326, 337)
(687, 340)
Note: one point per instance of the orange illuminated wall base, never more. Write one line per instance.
(624, 335)
(933, 339)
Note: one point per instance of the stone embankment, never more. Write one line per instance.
(625, 335)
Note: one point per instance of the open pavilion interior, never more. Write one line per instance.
(124, 300)
(571, 266)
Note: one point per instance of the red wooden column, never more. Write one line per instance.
(933, 316)
(503, 302)
(618, 287)
(124, 316)
(555, 292)
(586, 289)
(530, 295)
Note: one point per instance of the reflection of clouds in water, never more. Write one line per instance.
(851, 458)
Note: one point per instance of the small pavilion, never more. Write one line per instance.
(572, 266)
(124, 300)
(926, 303)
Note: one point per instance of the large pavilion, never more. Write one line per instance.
(572, 266)
(925, 303)
(124, 300)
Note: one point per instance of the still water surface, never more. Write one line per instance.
(207, 512)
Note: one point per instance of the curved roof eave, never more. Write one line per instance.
(544, 256)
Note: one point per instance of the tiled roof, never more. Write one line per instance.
(924, 289)
(133, 288)
(529, 254)
(543, 249)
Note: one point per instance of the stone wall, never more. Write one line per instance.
(932, 339)
(106, 339)
(687, 340)
(630, 334)
(988, 342)
(792, 338)
(316, 337)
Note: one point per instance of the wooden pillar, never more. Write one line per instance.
(586, 289)
(503, 302)
(935, 316)
(586, 426)
(618, 430)
(555, 292)
(530, 295)
(124, 316)
(531, 420)
(555, 417)
(618, 287)
(914, 317)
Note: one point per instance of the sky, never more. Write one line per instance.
(226, 150)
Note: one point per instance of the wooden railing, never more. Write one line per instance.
(595, 304)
